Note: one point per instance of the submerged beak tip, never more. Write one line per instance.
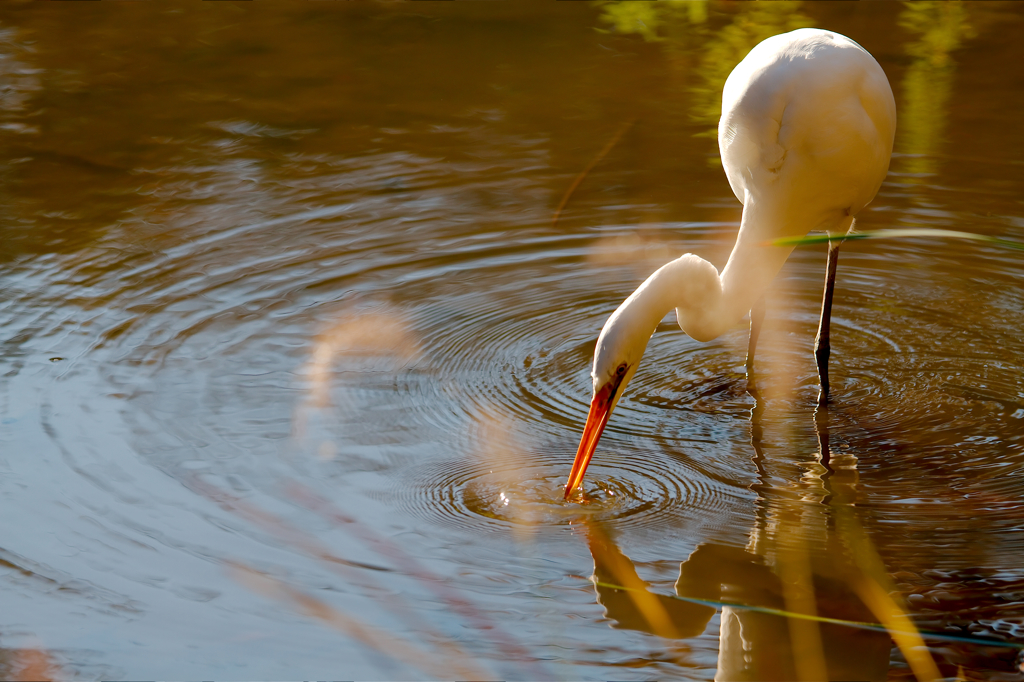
(600, 411)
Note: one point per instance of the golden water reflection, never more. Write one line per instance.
(807, 566)
(938, 30)
(723, 42)
(249, 249)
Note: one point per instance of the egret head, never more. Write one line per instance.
(619, 349)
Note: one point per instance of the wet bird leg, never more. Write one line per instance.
(822, 348)
(756, 318)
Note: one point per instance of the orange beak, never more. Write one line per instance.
(600, 411)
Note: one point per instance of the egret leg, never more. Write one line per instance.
(756, 318)
(822, 347)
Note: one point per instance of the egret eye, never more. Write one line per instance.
(621, 370)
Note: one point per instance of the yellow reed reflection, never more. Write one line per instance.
(728, 45)
(676, 25)
(940, 28)
(653, 21)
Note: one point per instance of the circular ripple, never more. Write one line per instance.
(633, 491)
(214, 340)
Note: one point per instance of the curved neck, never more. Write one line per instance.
(690, 285)
(707, 304)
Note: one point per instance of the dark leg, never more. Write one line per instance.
(756, 318)
(821, 343)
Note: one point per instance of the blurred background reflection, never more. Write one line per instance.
(294, 355)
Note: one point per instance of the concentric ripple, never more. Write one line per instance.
(317, 331)
(393, 359)
(439, 374)
(319, 325)
(531, 494)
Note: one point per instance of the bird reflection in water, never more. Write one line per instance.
(753, 644)
(775, 572)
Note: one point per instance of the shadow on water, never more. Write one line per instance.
(290, 345)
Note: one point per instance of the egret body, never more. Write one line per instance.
(806, 133)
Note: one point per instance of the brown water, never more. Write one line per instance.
(290, 345)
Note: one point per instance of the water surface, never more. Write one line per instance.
(291, 344)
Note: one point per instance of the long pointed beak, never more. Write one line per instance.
(600, 411)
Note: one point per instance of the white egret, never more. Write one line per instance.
(806, 133)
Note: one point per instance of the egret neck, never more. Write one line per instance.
(706, 306)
